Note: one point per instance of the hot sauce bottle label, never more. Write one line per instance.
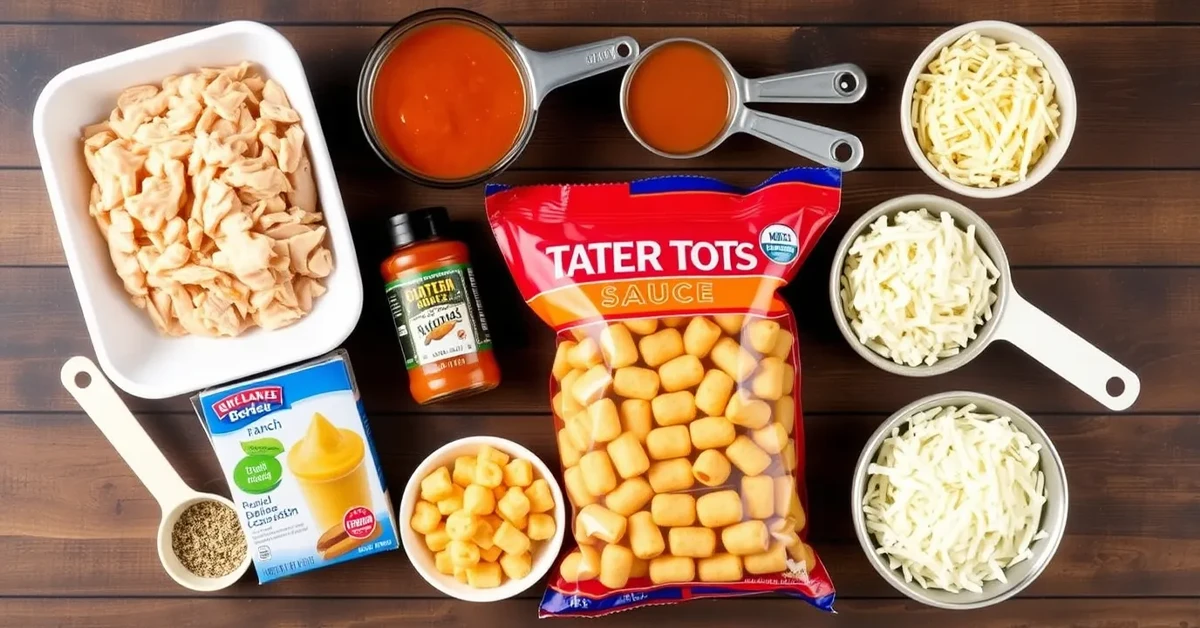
(437, 314)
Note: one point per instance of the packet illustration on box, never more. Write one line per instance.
(297, 453)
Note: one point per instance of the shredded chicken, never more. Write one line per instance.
(205, 195)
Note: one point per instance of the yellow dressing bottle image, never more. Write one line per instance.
(328, 465)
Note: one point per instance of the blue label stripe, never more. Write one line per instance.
(328, 376)
(559, 604)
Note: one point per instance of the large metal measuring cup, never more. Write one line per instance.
(541, 73)
(835, 84)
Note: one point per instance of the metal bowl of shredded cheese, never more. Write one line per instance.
(959, 500)
(988, 109)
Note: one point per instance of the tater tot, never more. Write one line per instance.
(681, 373)
(670, 475)
(452, 503)
(510, 539)
(516, 566)
(464, 470)
(731, 323)
(627, 455)
(731, 357)
(636, 417)
(796, 513)
(745, 538)
(617, 346)
(437, 485)
(566, 449)
(582, 564)
(700, 336)
(719, 568)
(479, 500)
(604, 421)
(642, 326)
(461, 525)
(665, 443)
(789, 455)
(645, 538)
(774, 560)
(803, 553)
(747, 411)
(518, 472)
(564, 401)
(425, 518)
(674, 408)
(772, 438)
(616, 562)
(592, 385)
(437, 540)
(762, 333)
(692, 542)
(747, 456)
(562, 363)
(661, 346)
(514, 506)
(598, 475)
(666, 569)
(712, 432)
(789, 378)
(711, 468)
(541, 526)
(758, 493)
(672, 510)
(640, 568)
(783, 344)
(674, 321)
(785, 413)
(484, 576)
(602, 523)
(719, 509)
(540, 497)
(585, 354)
(767, 383)
(712, 396)
(636, 382)
(576, 489)
(631, 496)
(579, 431)
(783, 530)
(785, 492)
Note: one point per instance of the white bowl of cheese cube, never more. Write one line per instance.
(479, 584)
(1063, 98)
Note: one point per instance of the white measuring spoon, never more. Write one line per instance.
(89, 387)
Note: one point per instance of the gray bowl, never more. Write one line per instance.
(1054, 513)
(963, 218)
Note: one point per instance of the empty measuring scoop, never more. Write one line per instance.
(836, 84)
(88, 386)
(1013, 318)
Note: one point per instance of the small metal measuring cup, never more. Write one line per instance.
(541, 73)
(1013, 318)
(96, 396)
(835, 84)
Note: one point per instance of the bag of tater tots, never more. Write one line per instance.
(676, 381)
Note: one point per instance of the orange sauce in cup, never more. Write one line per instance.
(448, 101)
(679, 98)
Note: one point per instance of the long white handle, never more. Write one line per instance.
(1066, 353)
(119, 426)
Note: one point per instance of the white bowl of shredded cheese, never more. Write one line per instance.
(959, 500)
(988, 109)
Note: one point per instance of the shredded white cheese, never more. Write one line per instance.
(984, 112)
(955, 499)
(917, 290)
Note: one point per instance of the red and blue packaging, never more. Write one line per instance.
(676, 381)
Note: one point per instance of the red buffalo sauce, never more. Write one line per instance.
(679, 98)
(448, 102)
(435, 307)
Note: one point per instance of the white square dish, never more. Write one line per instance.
(132, 353)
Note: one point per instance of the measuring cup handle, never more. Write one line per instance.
(110, 414)
(815, 142)
(554, 69)
(1066, 353)
(835, 84)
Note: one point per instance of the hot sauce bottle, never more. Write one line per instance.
(435, 306)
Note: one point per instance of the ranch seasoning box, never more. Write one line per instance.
(296, 450)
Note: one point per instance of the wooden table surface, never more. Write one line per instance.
(1107, 244)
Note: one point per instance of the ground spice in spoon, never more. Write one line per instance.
(208, 540)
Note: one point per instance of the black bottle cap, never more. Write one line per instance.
(419, 224)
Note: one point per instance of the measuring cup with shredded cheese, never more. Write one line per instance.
(955, 498)
(916, 287)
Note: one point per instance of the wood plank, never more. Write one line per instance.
(1131, 531)
(605, 12)
(365, 613)
(1147, 318)
(1135, 90)
(1075, 218)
